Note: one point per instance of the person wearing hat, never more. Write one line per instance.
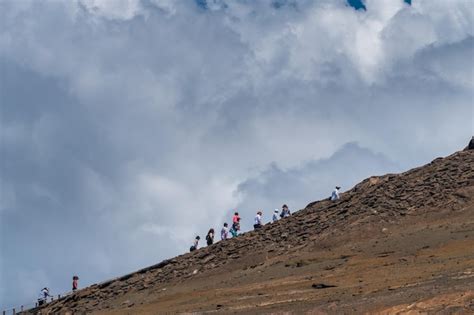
(195, 245)
(258, 220)
(335, 194)
(275, 215)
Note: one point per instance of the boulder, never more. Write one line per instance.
(470, 146)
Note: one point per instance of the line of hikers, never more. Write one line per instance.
(234, 230)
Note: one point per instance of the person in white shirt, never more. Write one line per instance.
(258, 220)
(275, 215)
(225, 232)
(43, 296)
(195, 244)
(335, 194)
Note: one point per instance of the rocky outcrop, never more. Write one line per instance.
(470, 146)
(445, 184)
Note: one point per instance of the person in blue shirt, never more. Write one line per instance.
(285, 211)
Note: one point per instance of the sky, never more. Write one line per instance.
(130, 126)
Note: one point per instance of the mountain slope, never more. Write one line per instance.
(389, 243)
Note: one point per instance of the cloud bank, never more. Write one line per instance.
(129, 126)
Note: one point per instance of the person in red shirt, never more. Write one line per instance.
(75, 279)
(236, 222)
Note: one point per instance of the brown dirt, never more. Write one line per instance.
(395, 244)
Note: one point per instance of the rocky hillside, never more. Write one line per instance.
(391, 242)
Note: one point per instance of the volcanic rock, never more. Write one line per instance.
(423, 265)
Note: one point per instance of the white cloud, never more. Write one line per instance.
(114, 9)
(169, 6)
(128, 125)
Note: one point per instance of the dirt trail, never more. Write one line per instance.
(395, 244)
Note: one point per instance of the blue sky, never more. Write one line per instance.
(359, 4)
(356, 4)
(131, 126)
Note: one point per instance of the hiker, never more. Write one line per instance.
(258, 221)
(195, 245)
(43, 296)
(335, 194)
(74, 283)
(285, 212)
(233, 231)
(210, 237)
(224, 232)
(275, 215)
(236, 222)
